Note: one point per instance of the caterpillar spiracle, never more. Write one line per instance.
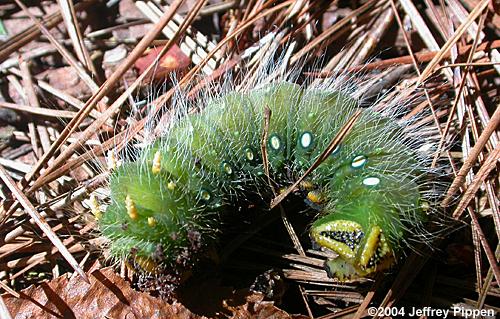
(370, 194)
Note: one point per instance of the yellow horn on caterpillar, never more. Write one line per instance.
(131, 209)
(156, 163)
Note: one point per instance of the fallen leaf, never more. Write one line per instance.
(107, 296)
(173, 60)
(110, 296)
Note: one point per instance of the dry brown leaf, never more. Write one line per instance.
(260, 309)
(173, 60)
(110, 296)
(107, 296)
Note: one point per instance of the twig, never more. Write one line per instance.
(62, 50)
(32, 32)
(451, 41)
(263, 145)
(330, 148)
(103, 90)
(473, 155)
(488, 165)
(30, 209)
(4, 312)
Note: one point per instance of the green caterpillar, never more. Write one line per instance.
(369, 193)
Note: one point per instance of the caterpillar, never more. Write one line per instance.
(369, 194)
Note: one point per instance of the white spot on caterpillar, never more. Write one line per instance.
(226, 168)
(335, 150)
(275, 142)
(306, 139)
(371, 181)
(249, 154)
(205, 195)
(358, 161)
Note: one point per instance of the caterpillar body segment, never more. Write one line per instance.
(319, 117)
(166, 206)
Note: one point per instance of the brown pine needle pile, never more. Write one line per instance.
(81, 78)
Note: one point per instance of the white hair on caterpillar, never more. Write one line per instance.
(209, 146)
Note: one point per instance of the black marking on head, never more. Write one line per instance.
(381, 255)
(350, 238)
(376, 257)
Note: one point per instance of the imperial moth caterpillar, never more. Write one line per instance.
(369, 193)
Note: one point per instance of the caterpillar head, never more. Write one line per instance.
(362, 250)
(367, 224)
